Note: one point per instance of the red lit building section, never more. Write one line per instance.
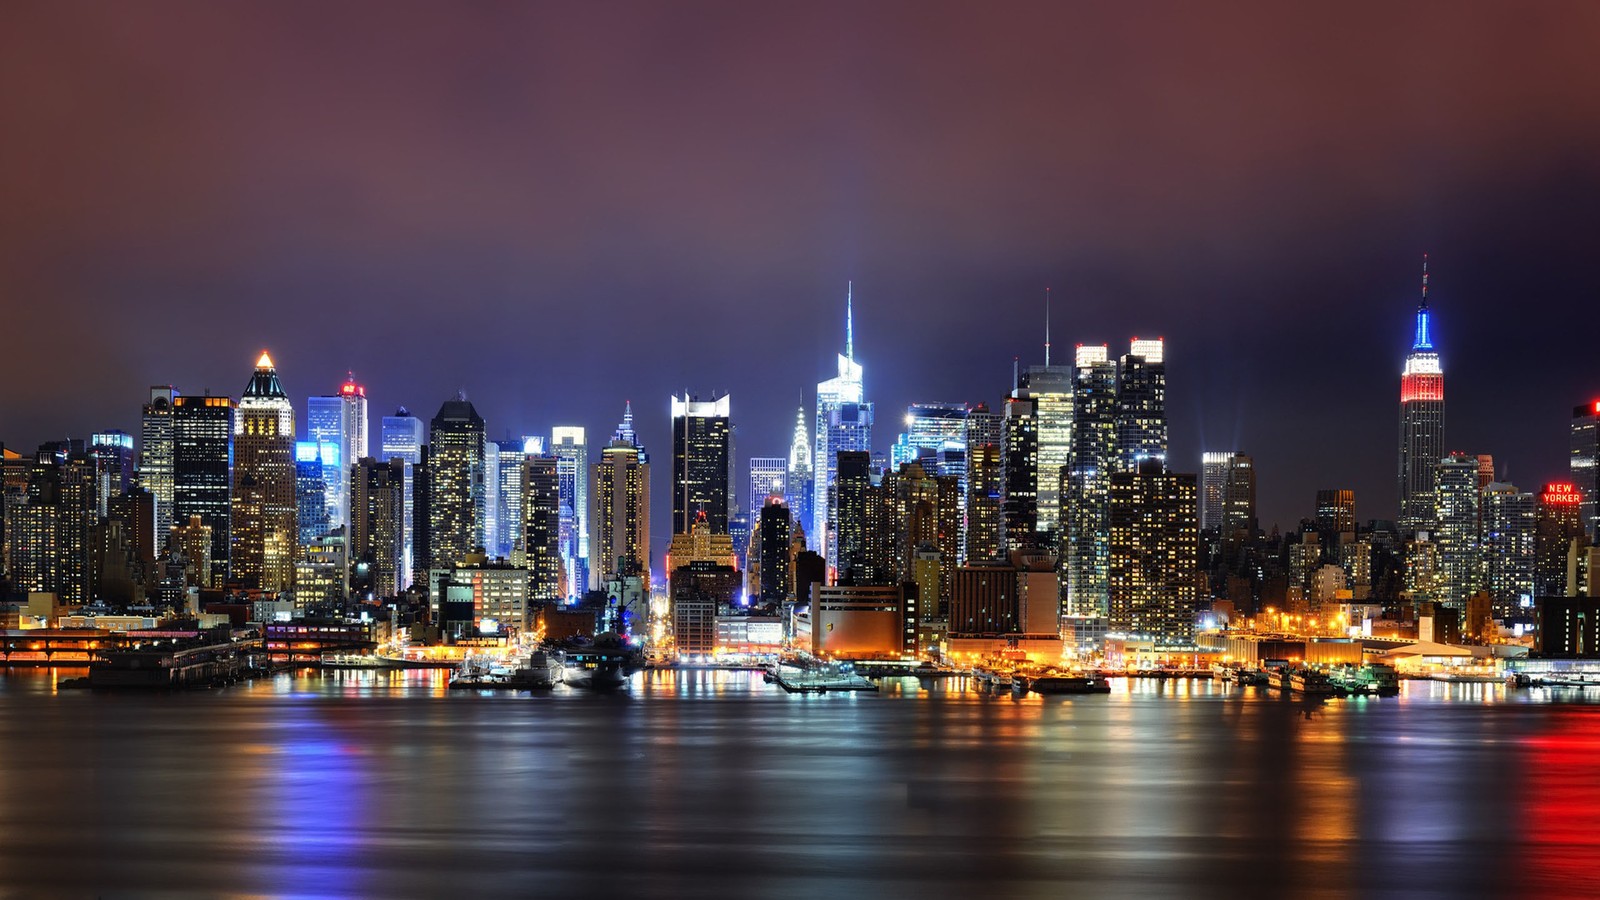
(1421, 386)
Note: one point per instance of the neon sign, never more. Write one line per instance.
(1561, 492)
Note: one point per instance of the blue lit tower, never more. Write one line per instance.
(402, 437)
(1421, 421)
(570, 447)
(844, 423)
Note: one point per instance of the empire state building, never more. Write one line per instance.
(1421, 421)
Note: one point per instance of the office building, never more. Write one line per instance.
(340, 419)
(1087, 491)
(1142, 404)
(1050, 390)
(155, 455)
(1214, 467)
(844, 424)
(1585, 462)
(1155, 553)
(769, 477)
(1558, 522)
(1019, 476)
(800, 486)
(701, 454)
(202, 470)
(984, 443)
(620, 520)
(772, 550)
(1239, 499)
(111, 453)
(860, 539)
(403, 437)
(311, 488)
(541, 526)
(264, 530)
(378, 523)
(1421, 421)
(456, 466)
(1455, 529)
(1508, 548)
(571, 450)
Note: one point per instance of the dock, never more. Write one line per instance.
(817, 681)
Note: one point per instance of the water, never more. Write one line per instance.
(696, 784)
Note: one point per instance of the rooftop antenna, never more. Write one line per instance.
(849, 321)
(1424, 281)
(1014, 382)
(1047, 328)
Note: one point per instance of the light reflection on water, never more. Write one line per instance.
(701, 783)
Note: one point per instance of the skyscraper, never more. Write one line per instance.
(541, 526)
(772, 550)
(1213, 488)
(769, 475)
(1087, 492)
(568, 445)
(844, 423)
(456, 473)
(1455, 523)
(1421, 421)
(1336, 515)
(111, 452)
(1019, 476)
(1142, 404)
(858, 526)
(700, 463)
(378, 522)
(1155, 553)
(311, 488)
(402, 437)
(620, 521)
(984, 442)
(202, 470)
(1586, 465)
(340, 419)
(155, 456)
(1239, 499)
(799, 487)
(1508, 547)
(1558, 523)
(263, 531)
(1050, 389)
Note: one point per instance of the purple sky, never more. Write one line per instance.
(561, 207)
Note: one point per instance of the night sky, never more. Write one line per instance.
(561, 207)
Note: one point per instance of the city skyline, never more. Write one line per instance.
(1269, 224)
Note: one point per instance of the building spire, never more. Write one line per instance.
(1424, 340)
(1424, 281)
(849, 321)
(1047, 328)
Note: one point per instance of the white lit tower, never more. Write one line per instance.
(800, 484)
(844, 423)
(571, 450)
(1421, 421)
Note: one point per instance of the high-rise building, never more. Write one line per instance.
(1557, 524)
(541, 526)
(491, 500)
(844, 423)
(1508, 547)
(1155, 553)
(859, 535)
(155, 455)
(456, 473)
(1050, 389)
(340, 419)
(772, 551)
(769, 476)
(311, 488)
(403, 436)
(799, 487)
(620, 520)
(111, 452)
(1586, 464)
(378, 522)
(701, 432)
(571, 450)
(1239, 499)
(1087, 492)
(983, 492)
(1214, 465)
(1421, 421)
(1455, 528)
(263, 530)
(1336, 521)
(1142, 404)
(1019, 476)
(202, 470)
(508, 497)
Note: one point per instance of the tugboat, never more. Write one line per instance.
(604, 664)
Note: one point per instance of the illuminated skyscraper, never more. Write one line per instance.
(620, 521)
(340, 419)
(1421, 421)
(1050, 389)
(541, 526)
(1155, 553)
(508, 507)
(984, 444)
(860, 537)
(111, 452)
(202, 470)
(456, 473)
(1239, 499)
(800, 486)
(378, 522)
(769, 475)
(1213, 488)
(263, 531)
(311, 488)
(844, 423)
(701, 433)
(403, 436)
(1558, 524)
(1586, 465)
(155, 456)
(1142, 404)
(1087, 491)
(772, 550)
(1455, 497)
(1508, 544)
(1019, 476)
(568, 445)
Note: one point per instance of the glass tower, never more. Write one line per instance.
(844, 423)
(1421, 421)
(568, 446)
(155, 456)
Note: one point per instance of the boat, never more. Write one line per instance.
(604, 664)
(333, 660)
(543, 671)
(1278, 678)
(1309, 681)
(1058, 683)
